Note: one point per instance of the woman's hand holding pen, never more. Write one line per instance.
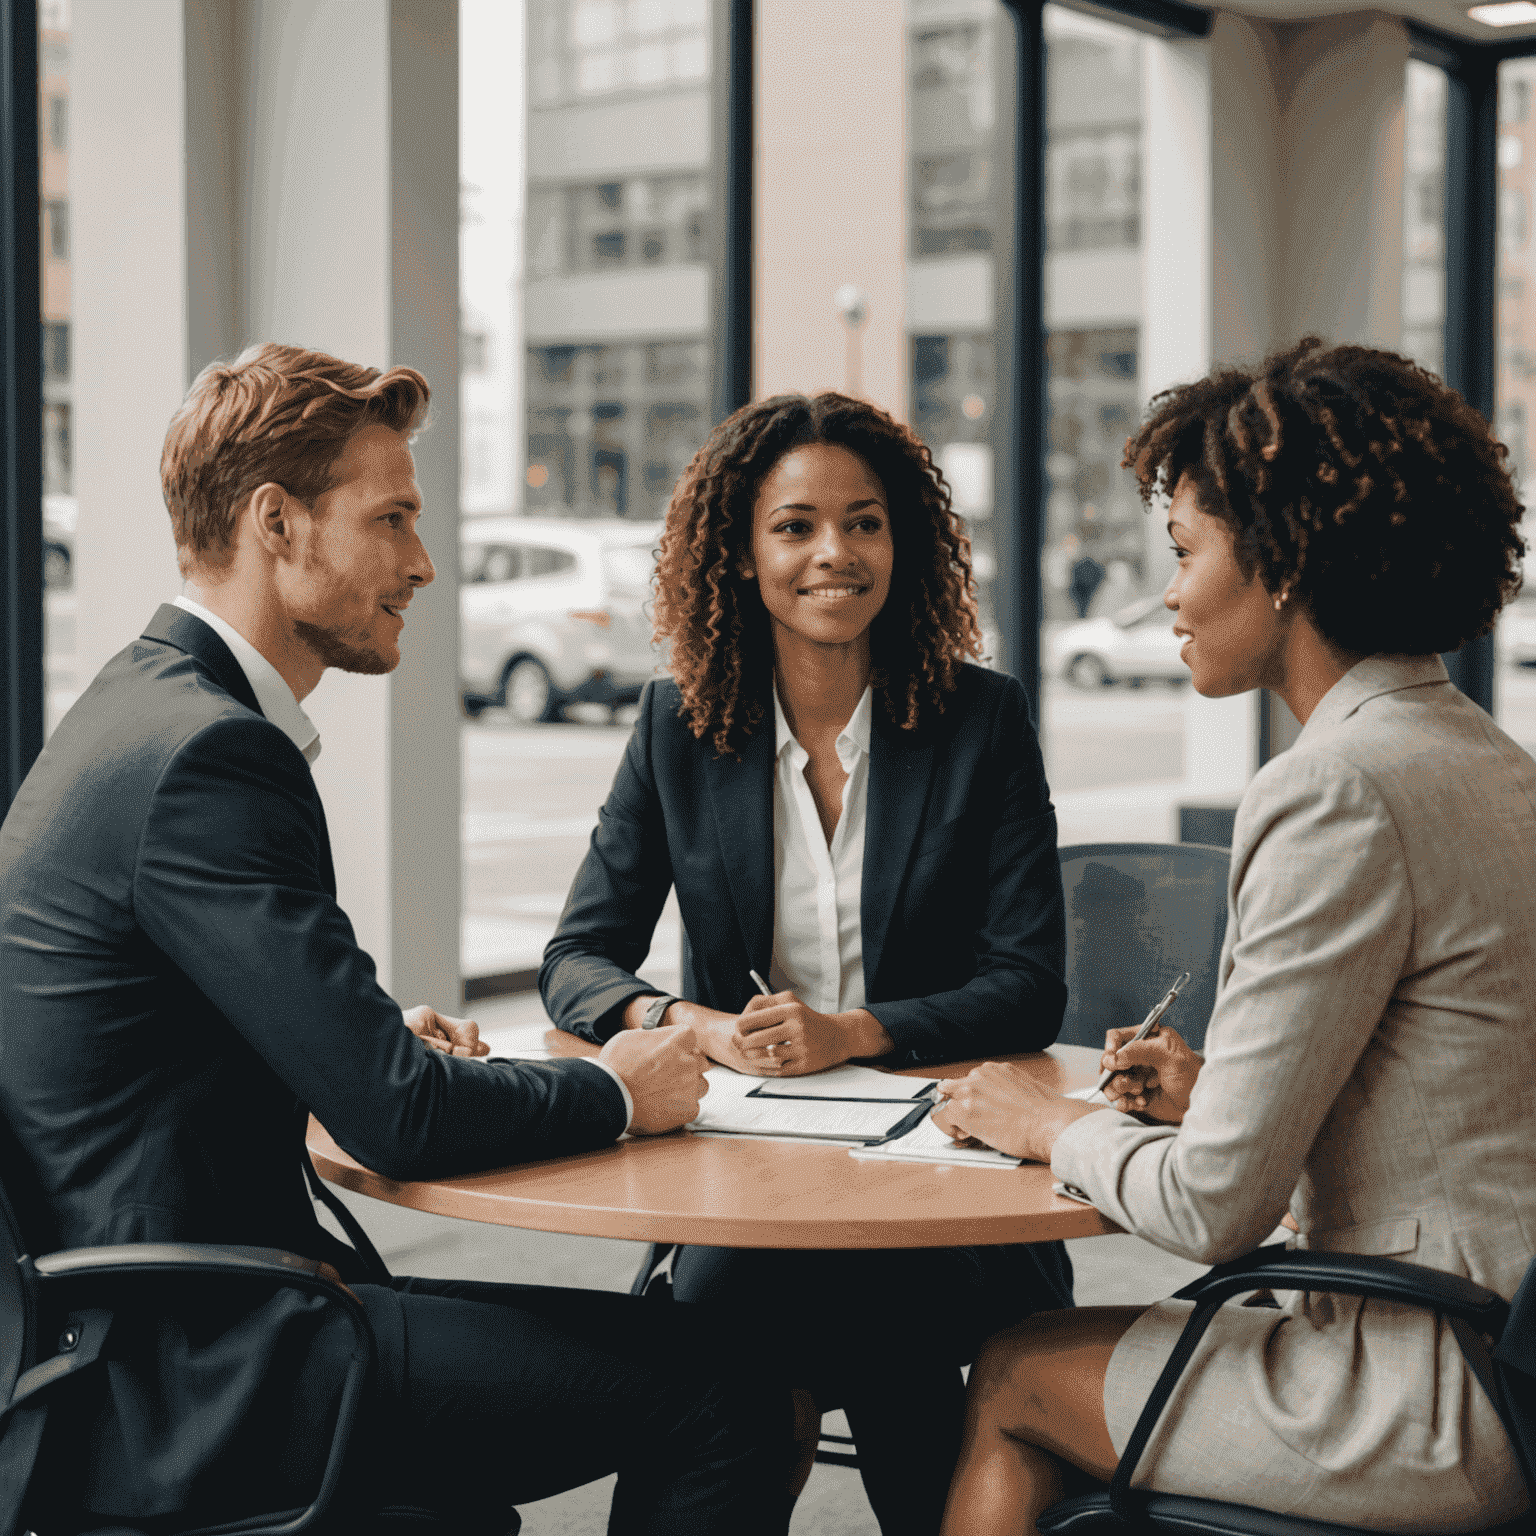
(779, 1036)
(1001, 1105)
(1153, 1077)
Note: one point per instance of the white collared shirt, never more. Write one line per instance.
(818, 948)
(273, 695)
(279, 705)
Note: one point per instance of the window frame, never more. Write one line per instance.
(21, 399)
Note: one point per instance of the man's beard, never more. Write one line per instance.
(334, 651)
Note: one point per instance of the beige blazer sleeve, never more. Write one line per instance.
(1320, 924)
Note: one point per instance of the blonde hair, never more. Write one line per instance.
(275, 414)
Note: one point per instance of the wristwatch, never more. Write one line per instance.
(653, 1014)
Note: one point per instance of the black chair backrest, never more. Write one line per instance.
(1138, 914)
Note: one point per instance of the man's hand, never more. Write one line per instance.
(453, 1037)
(1001, 1105)
(1153, 1076)
(664, 1072)
(779, 1036)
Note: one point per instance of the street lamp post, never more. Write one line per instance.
(852, 308)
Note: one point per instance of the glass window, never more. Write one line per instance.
(1111, 678)
(1515, 382)
(588, 243)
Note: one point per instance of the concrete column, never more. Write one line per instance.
(1306, 207)
(830, 190)
(296, 180)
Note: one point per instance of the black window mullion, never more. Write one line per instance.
(1471, 262)
(21, 400)
(732, 335)
(1019, 464)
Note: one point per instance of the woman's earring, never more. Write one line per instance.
(1280, 601)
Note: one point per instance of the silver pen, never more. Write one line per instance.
(1148, 1024)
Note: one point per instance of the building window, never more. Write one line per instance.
(56, 116)
(58, 228)
(1514, 228)
(56, 351)
(58, 450)
(640, 221)
(585, 48)
(612, 427)
(953, 121)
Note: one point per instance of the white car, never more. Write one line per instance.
(1517, 632)
(1134, 644)
(554, 612)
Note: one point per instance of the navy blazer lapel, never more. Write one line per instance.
(741, 796)
(900, 771)
(175, 626)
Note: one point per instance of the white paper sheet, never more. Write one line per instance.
(1089, 1095)
(813, 1118)
(845, 1082)
(926, 1143)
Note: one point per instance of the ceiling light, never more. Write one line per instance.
(1509, 13)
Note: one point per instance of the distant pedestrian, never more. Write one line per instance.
(1087, 574)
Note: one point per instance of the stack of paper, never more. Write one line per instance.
(863, 1084)
(738, 1105)
(926, 1143)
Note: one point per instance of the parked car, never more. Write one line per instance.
(1132, 645)
(1517, 631)
(60, 515)
(554, 613)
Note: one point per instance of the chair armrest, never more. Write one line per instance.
(1351, 1274)
(83, 1266)
(1473, 1310)
(125, 1258)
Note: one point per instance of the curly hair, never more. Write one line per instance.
(721, 640)
(1354, 479)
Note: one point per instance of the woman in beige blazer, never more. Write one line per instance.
(1339, 518)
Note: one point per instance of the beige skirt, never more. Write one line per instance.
(1243, 1424)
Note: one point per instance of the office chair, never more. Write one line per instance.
(1497, 1337)
(1138, 914)
(72, 1314)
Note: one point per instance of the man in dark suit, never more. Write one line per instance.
(180, 990)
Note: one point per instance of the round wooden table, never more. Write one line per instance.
(754, 1193)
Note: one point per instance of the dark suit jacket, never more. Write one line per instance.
(962, 911)
(178, 987)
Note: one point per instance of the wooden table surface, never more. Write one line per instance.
(754, 1193)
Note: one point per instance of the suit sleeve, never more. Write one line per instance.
(1323, 910)
(605, 932)
(1017, 996)
(228, 884)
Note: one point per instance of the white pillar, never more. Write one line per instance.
(1305, 176)
(350, 242)
(313, 199)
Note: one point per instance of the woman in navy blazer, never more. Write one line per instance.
(815, 588)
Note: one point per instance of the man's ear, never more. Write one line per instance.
(269, 513)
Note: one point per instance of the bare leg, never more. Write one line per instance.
(1036, 1394)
